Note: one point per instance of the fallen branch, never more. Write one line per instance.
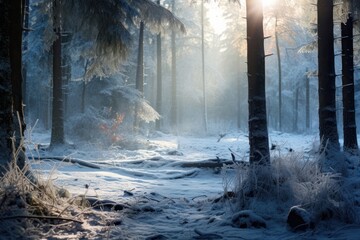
(70, 160)
(42, 217)
(212, 163)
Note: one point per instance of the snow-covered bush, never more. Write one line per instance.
(294, 180)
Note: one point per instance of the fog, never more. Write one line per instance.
(103, 101)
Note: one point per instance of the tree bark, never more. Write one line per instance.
(140, 60)
(307, 104)
(159, 78)
(203, 68)
(6, 114)
(66, 69)
(26, 9)
(258, 132)
(57, 128)
(349, 122)
(327, 89)
(279, 72)
(173, 77)
(139, 71)
(296, 110)
(12, 124)
(238, 93)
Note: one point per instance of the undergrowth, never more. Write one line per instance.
(294, 180)
(33, 208)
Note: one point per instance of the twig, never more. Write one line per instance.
(42, 217)
(221, 135)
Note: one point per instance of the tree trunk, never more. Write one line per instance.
(238, 93)
(173, 77)
(83, 89)
(349, 122)
(11, 107)
(57, 128)
(279, 73)
(6, 114)
(258, 132)
(26, 8)
(307, 105)
(327, 89)
(159, 78)
(139, 71)
(296, 110)
(66, 68)
(203, 67)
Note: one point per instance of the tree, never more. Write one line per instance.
(279, 68)
(155, 16)
(307, 104)
(203, 67)
(327, 103)
(174, 105)
(159, 77)
(258, 132)
(139, 85)
(57, 128)
(12, 124)
(349, 122)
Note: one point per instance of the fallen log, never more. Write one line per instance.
(213, 163)
(69, 160)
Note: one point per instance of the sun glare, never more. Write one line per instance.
(268, 3)
(216, 18)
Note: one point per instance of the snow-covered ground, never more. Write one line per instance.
(168, 198)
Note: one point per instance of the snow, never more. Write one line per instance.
(167, 201)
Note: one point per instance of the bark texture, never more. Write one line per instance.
(258, 132)
(57, 128)
(139, 72)
(327, 89)
(174, 105)
(159, 78)
(349, 122)
(6, 116)
(12, 124)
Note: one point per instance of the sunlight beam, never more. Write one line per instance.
(268, 3)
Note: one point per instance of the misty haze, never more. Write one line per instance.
(188, 119)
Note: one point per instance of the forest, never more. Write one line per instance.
(187, 119)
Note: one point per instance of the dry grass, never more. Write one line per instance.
(33, 208)
(294, 180)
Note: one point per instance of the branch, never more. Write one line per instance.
(42, 217)
(70, 160)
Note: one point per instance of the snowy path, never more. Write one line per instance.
(167, 201)
(156, 168)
